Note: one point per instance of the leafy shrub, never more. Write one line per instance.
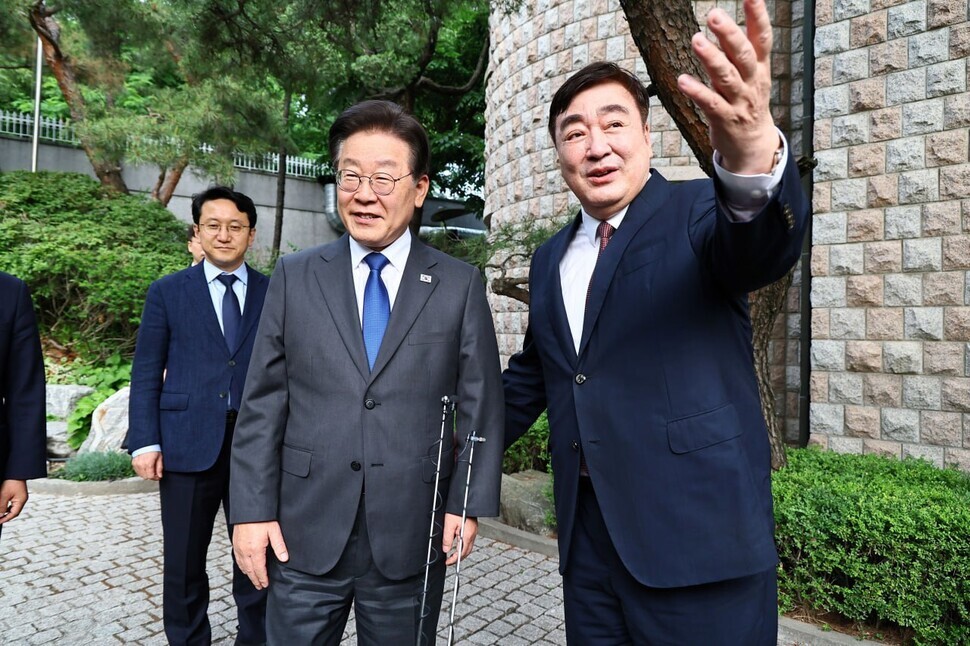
(95, 467)
(876, 540)
(531, 451)
(88, 255)
(106, 379)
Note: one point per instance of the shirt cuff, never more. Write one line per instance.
(745, 195)
(147, 449)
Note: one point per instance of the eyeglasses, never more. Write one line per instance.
(380, 183)
(213, 228)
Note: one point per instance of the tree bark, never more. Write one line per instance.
(168, 180)
(43, 23)
(662, 32)
(281, 179)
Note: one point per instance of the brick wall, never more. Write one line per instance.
(891, 249)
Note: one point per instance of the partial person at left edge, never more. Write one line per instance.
(23, 434)
(191, 359)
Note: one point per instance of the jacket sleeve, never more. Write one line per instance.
(254, 473)
(147, 372)
(480, 409)
(745, 256)
(24, 396)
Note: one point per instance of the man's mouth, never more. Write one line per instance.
(366, 216)
(600, 174)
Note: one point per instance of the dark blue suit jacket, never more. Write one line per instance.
(662, 396)
(23, 432)
(180, 337)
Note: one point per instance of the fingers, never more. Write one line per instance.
(249, 543)
(453, 537)
(759, 27)
(148, 465)
(13, 497)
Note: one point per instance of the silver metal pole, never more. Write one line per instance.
(447, 407)
(37, 82)
(472, 440)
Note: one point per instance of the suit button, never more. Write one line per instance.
(223, 395)
(369, 404)
(575, 446)
(355, 465)
(580, 378)
(232, 362)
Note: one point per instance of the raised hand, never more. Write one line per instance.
(737, 102)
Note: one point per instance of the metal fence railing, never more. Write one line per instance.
(20, 125)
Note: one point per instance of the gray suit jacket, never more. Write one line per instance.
(317, 426)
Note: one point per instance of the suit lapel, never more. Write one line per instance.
(201, 299)
(642, 209)
(255, 292)
(557, 307)
(336, 281)
(417, 284)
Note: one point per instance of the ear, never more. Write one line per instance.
(421, 190)
(252, 236)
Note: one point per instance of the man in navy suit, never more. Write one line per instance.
(191, 359)
(639, 344)
(23, 434)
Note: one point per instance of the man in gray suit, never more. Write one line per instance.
(336, 446)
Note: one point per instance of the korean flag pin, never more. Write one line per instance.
(425, 278)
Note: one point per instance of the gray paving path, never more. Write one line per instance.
(88, 570)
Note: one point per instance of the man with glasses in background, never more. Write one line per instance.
(334, 459)
(191, 359)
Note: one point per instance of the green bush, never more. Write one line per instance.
(531, 451)
(88, 255)
(876, 540)
(95, 467)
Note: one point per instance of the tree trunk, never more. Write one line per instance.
(281, 179)
(662, 32)
(43, 23)
(168, 180)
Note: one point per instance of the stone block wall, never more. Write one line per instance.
(891, 242)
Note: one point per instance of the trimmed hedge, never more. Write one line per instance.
(876, 540)
(88, 255)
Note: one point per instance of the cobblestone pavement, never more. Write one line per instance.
(83, 570)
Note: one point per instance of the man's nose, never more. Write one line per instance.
(598, 146)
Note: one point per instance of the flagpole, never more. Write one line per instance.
(37, 82)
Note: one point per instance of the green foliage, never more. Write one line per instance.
(96, 467)
(531, 451)
(88, 256)
(876, 540)
(106, 379)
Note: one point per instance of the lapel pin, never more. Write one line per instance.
(425, 278)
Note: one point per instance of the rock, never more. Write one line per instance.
(109, 424)
(61, 400)
(57, 447)
(525, 504)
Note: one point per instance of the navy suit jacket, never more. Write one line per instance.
(662, 396)
(23, 427)
(180, 338)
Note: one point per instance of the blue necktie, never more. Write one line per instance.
(377, 307)
(231, 320)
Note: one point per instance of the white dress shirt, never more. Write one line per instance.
(745, 195)
(397, 256)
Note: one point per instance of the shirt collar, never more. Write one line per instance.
(211, 272)
(590, 224)
(396, 253)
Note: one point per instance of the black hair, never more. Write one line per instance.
(597, 74)
(243, 203)
(388, 117)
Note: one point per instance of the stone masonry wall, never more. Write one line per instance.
(534, 50)
(891, 249)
